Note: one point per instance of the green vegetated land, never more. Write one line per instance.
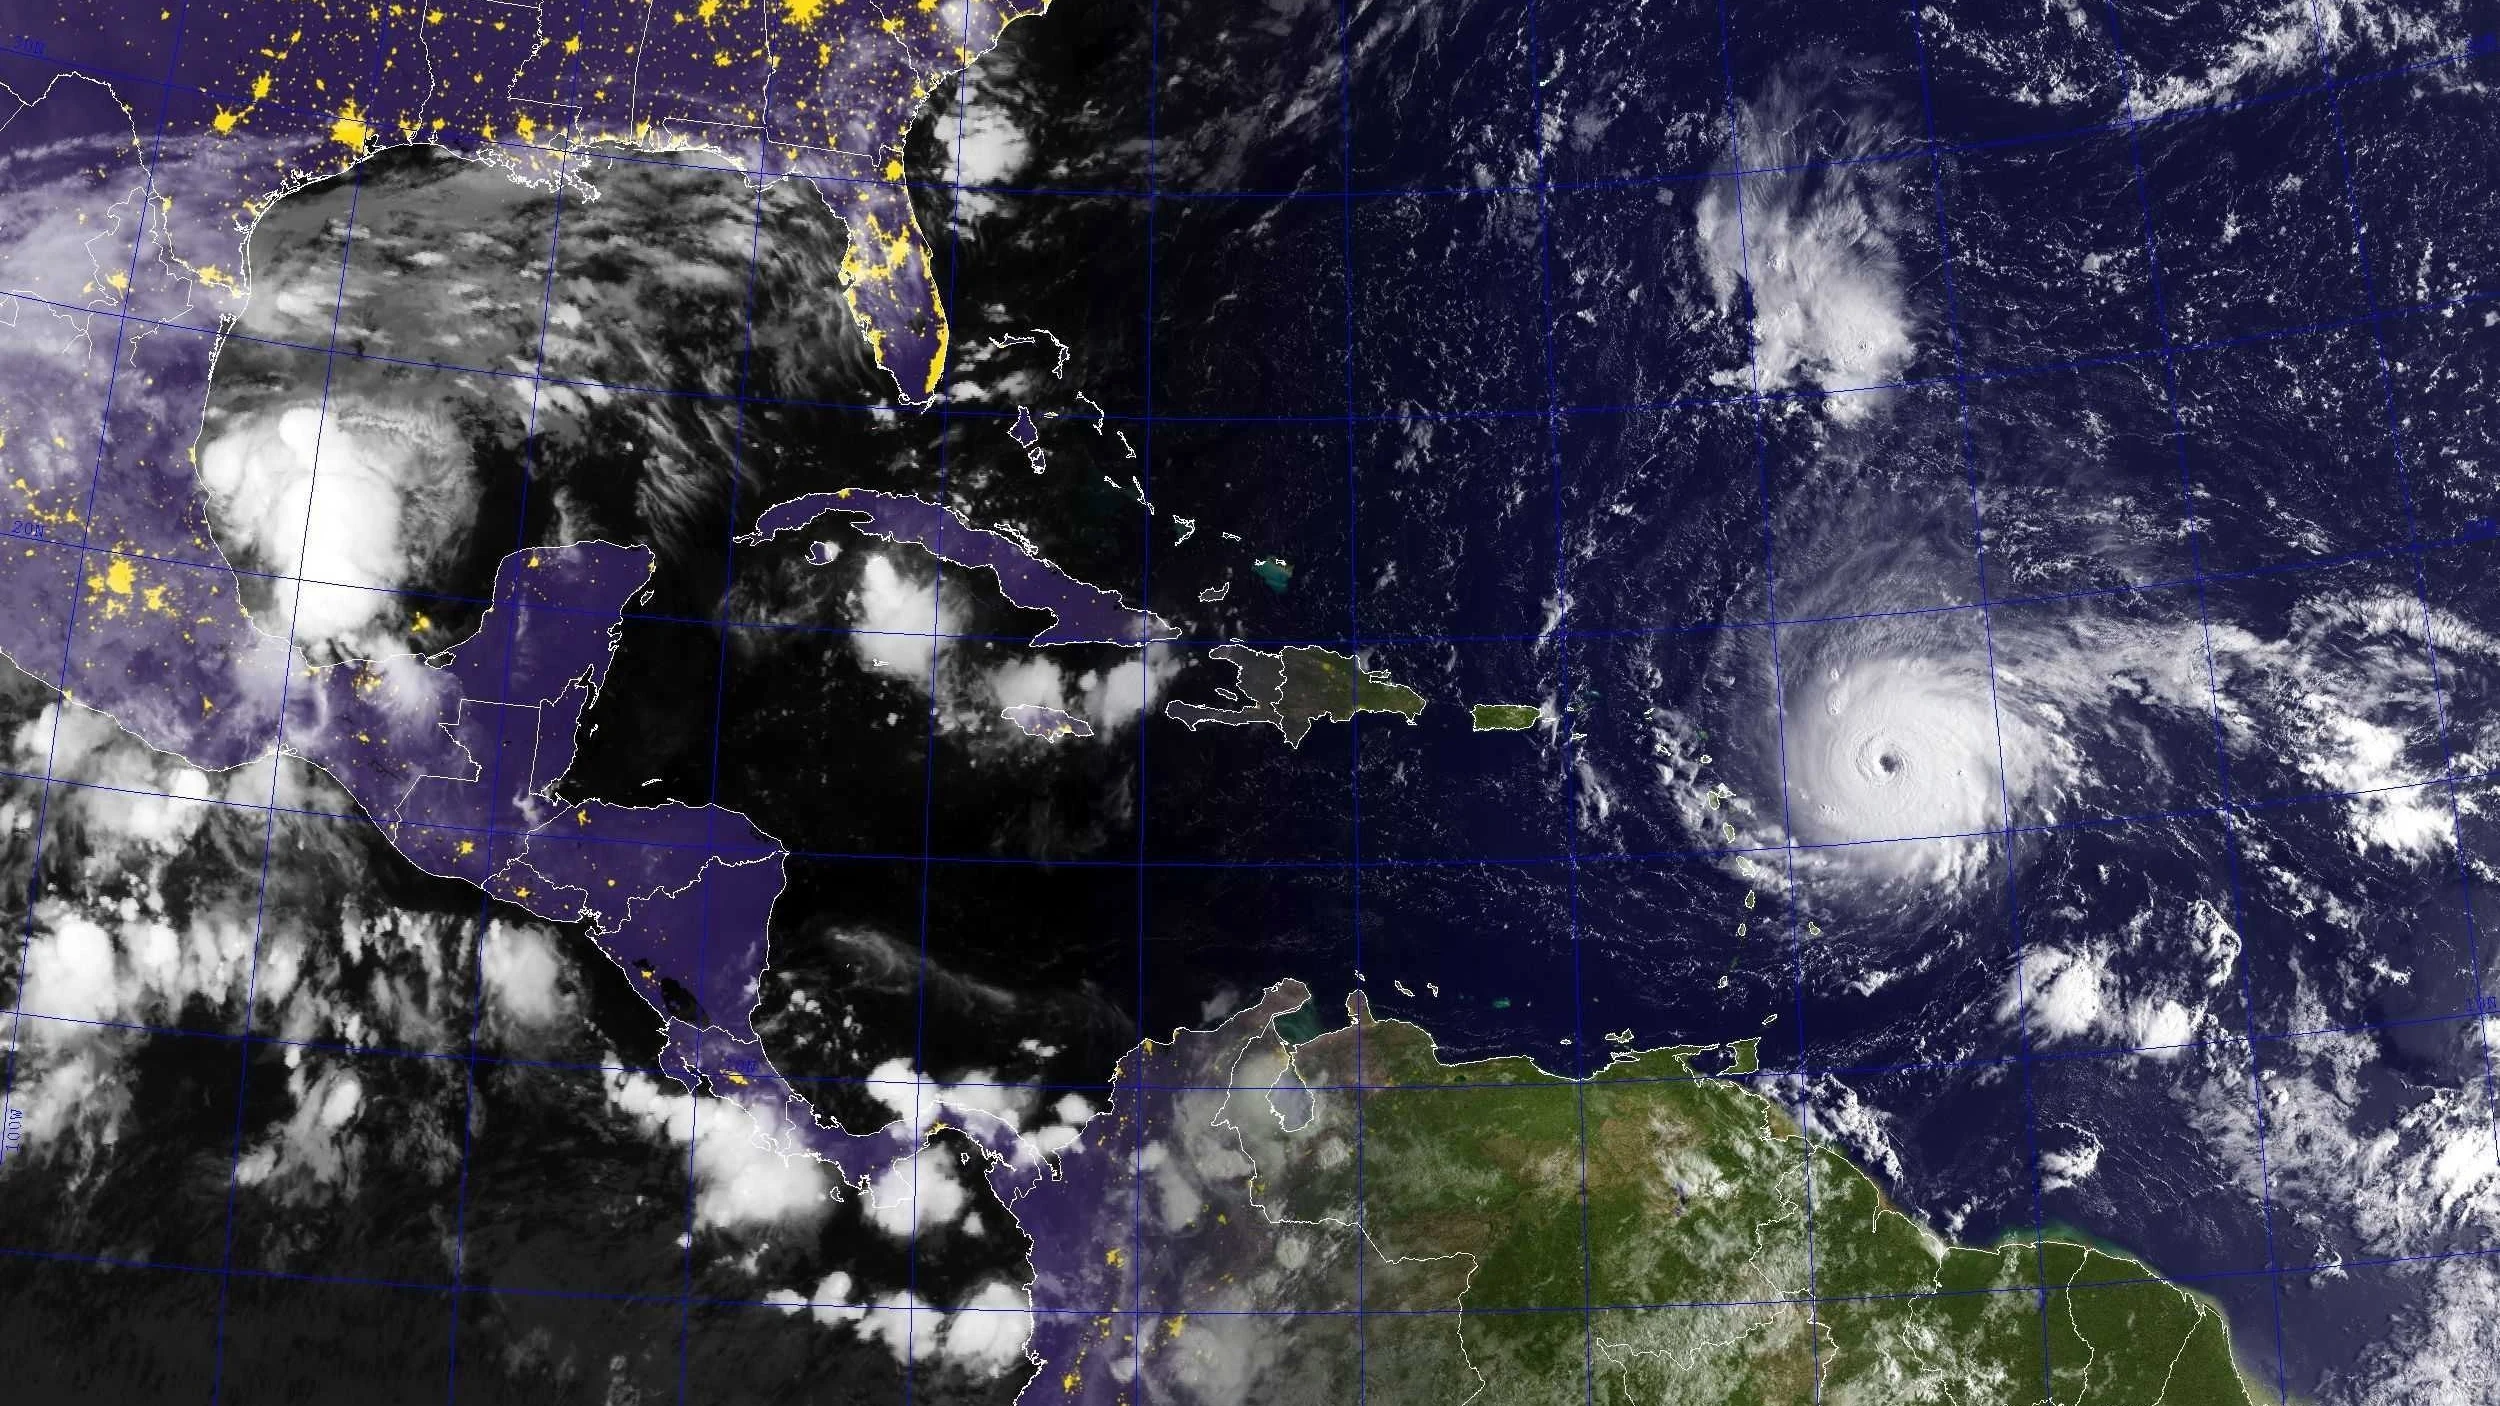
(1696, 1248)
(1296, 687)
(1506, 717)
(1324, 683)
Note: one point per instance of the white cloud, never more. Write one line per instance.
(312, 498)
(1114, 696)
(71, 969)
(1178, 1201)
(895, 614)
(68, 1091)
(2065, 991)
(2158, 1026)
(2350, 753)
(909, 1094)
(989, 148)
(316, 1143)
(523, 972)
(2079, 994)
(900, 1088)
(739, 1179)
(904, 1324)
(2070, 1166)
(131, 791)
(915, 1193)
(988, 1334)
(1818, 249)
(2348, 1171)
(833, 1302)
(1035, 679)
(128, 966)
(2281, 43)
(985, 1336)
(1073, 1113)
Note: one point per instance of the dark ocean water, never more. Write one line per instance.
(1352, 331)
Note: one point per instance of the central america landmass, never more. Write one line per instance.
(144, 149)
(127, 606)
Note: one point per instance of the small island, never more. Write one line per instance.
(1507, 717)
(1048, 724)
(1296, 687)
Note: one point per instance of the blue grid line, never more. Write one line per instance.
(1402, 414)
(1764, 1074)
(928, 756)
(2222, 755)
(1145, 688)
(2466, 54)
(2473, 536)
(277, 770)
(2222, 810)
(720, 690)
(486, 898)
(69, 629)
(1363, 1246)
(1779, 696)
(1566, 728)
(2330, 561)
(2421, 572)
(1996, 716)
(1141, 1312)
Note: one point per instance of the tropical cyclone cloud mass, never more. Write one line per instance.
(644, 641)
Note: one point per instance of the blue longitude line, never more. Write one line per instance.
(1363, 1244)
(277, 770)
(928, 766)
(2474, 536)
(1628, 183)
(1142, 1312)
(720, 693)
(1779, 697)
(2421, 572)
(1996, 718)
(2222, 760)
(1403, 414)
(495, 792)
(1763, 1074)
(1143, 1049)
(69, 629)
(2468, 53)
(2115, 820)
(1983, 606)
(1567, 706)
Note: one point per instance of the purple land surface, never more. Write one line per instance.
(240, 104)
(117, 261)
(1049, 724)
(1081, 613)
